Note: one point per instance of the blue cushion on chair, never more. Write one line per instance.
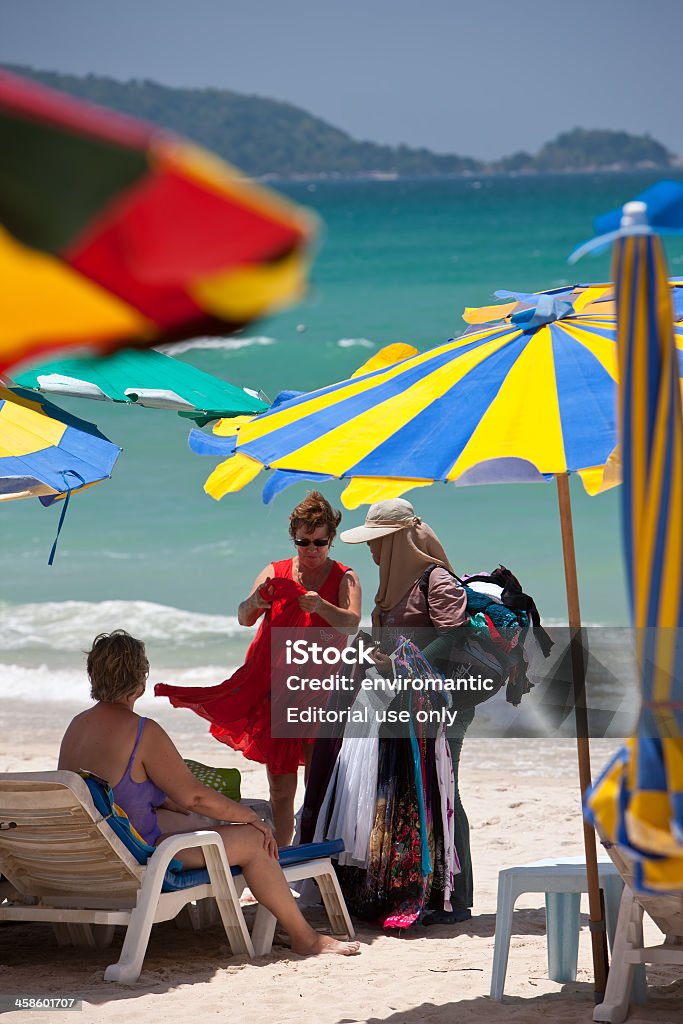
(289, 855)
(175, 878)
(310, 851)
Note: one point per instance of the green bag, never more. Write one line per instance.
(223, 780)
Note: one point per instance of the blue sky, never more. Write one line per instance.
(482, 78)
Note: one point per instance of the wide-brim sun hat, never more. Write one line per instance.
(382, 518)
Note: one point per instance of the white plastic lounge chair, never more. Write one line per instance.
(70, 869)
(629, 950)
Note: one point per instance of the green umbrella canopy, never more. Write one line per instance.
(143, 378)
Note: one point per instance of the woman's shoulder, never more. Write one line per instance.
(443, 580)
(87, 719)
(74, 726)
(440, 574)
(150, 730)
(340, 571)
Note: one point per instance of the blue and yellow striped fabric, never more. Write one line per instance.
(504, 403)
(638, 801)
(45, 452)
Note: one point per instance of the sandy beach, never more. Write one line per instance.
(522, 801)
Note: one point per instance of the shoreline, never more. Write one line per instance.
(331, 177)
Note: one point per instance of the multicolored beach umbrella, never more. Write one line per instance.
(512, 401)
(144, 378)
(638, 801)
(116, 233)
(47, 453)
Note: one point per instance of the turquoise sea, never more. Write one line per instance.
(396, 261)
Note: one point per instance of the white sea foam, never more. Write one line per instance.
(229, 344)
(355, 343)
(71, 625)
(43, 683)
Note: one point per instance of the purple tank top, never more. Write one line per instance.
(140, 799)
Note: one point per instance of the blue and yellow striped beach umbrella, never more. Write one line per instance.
(531, 396)
(45, 452)
(638, 801)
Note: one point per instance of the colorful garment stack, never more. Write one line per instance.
(391, 800)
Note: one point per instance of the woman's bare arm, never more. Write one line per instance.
(166, 768)
(253, 607)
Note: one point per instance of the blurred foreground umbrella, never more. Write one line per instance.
(638, 802)
(115, 233)
(145, 378)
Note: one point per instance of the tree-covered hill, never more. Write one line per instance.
(268, 137)
(583, 150)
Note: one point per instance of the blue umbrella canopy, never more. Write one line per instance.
(45, 452)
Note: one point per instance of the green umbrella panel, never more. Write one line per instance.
(146, 378)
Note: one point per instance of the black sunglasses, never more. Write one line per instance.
(304, 542)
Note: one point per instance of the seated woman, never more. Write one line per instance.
(159, 794)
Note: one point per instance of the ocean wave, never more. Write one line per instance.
(71, 625)
(43, 683)
(230, 344)
(355, 343)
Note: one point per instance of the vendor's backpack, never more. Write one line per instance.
(475, 655)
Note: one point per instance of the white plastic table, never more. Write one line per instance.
(562, 881)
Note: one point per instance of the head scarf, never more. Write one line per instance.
(404, 556)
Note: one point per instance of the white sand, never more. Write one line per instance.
(522, 802)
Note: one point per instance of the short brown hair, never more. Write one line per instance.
(117, 666)
(312, 512)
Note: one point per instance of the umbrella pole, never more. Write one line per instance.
(596, 912)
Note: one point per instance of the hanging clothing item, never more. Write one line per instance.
(392, 884)
(239, 708)
(411, 851)
(445, 778)
(348, 809)
(351, 814)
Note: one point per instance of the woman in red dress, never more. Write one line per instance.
(310, 589)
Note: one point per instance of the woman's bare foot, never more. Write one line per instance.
(326, 944)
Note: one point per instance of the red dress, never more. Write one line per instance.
(239, 708)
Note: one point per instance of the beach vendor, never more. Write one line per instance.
(309, 589)
(403, 547)
(160, 795)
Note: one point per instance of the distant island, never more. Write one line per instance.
(268, 138)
